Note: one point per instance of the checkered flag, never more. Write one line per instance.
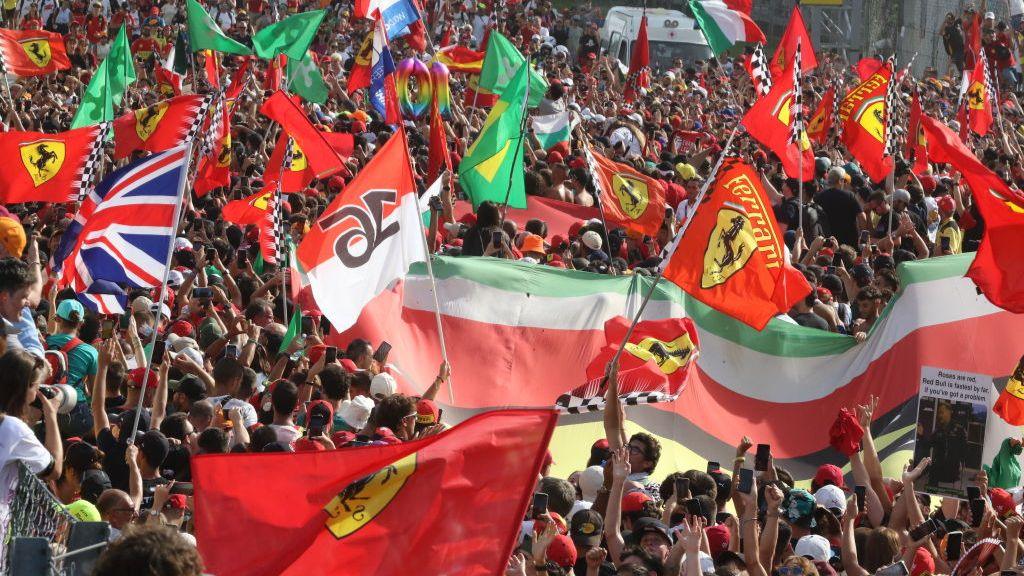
(92, 162)
(796, 110)
(892, 144)
(590, 397)
(210, 137)
(990, 87)
(276, 230)
(760, 72)
(200, 118)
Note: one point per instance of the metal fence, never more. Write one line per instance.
(35, 512)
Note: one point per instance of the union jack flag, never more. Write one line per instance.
(104, 297)
(124, 229)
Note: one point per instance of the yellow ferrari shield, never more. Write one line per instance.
(37, 50)
(669, 356)
(224, 156)
(631, 193)
(871, 116)
(298, 158)
(1010, 203)
(365, 54)
(361, 501)
(976, 95)
(263, 201)
(783, 113)
(147, 119)
(43, 159)
(729, 248)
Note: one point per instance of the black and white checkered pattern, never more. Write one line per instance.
(210, 139)
(569, 404)
(761, 73)
(990, 87)
(796, 110)
(197, 122)
(892, 141)
(92, 161)
(277, 222)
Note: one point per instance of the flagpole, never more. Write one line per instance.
(675, 242)
(282, 229)
(522, 135)
(179, 200)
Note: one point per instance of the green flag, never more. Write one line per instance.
(294, 329)
(305, 79)
(179, 57)
(497, 153)
(205, 34)
(291, 36)
(107, 86)
(501, 62)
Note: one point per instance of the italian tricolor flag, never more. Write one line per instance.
(724, 27)
(552, 130)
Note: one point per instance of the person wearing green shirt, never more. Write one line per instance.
(1005, 469)
(83, 360)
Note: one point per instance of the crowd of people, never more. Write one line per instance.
(225, 383)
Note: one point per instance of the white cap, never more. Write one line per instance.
(590, 481)
(382, 386)
(814, 547)
(567, 81)
(562, 49)
(142, 304)
(636, 118)
(591, 240)
(175, 278)
(182, 244)
(990, 15)
(832, 497)
(356, 412)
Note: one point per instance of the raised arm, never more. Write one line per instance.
(613, 517)
(100, 420)
(614, 413)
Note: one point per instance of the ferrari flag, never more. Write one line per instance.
(863, 117)
(630, 199)
(32, 52)
(161, 126)
(43, 167)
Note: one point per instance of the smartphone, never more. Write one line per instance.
(861, 492)
(722, 517)
(211, 254)
(977, 511)
(307, 325)
(973, 493)
(874, 249)
(897, 569)
(923, 529)
(954, 545)
(231, 351)
(540, 504)
(682, 488)
(761, 457)
(746, 480)
(945, 243)
(693, 507)
(330, 354)
(863, 236)
(435, 204)
(381, 355)
(158, 352)
(126, 320)
(496, 237)
(202, 292)
(107, 329)
(241, 257)
(713, 467)
(325, 325)
(837, 260)
(182, 488)
(288, 367)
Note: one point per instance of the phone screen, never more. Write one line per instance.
(231, 351)
(973, 493)
(126, 319)
(330, 354)
(977, 511)
(746, 480)
(836, 260)
(242, 257)
(540, 504)
(945, 242)
(158, 352)
(381, 355)
(761, 457)
(107, 330)
(682, 488)
(954, 544)
(922, 530)
(307, 325)
(863, 236)
(496, 238)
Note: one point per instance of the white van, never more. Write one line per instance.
(670, 34)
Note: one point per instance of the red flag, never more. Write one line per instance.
(43, 167)
(168, 84)
(453, 503)
(768, 122)
(275, 73)
(359, 76)
(639, 64)
(33, 52)
(215, 172)
(997, 269)
(744, 6)
(249, 210)
(979, 100)
(630, 199)
(476, 96)
(439, 159)
(155, 128)
(297, 175)
(321, 156)
(868, 66)
(671, 345)
(917, 142)
(342, 142)
(732, 257)
(1010, 404)
(972, 41)
(212, 68)
(796, 31)
(862, 114)
(460, 59)
(819, 126)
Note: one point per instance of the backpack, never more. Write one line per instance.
(59, 363)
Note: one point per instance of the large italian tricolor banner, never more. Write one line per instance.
(521, 335)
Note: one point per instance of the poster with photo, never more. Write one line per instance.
(958, 430)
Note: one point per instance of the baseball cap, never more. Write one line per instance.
(946, 204)
(645, 525)
(67, 308)
(12, 236)
(591, 240)
(562, 551)
(426, 412)
(829, 474)
(600, 450)
(1002, 502)
(84, 511)
(382, 386)
(177, 502)
(813, 547)
(799, 508)
(634, 501)
(718, 539)
(94, 482)
(591, 479)
(832, 498)
(138, 375)
(586, 528)
(154, 446)
(192, 387)
(901, 195)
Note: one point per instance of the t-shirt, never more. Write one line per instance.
(286, 434)
(842, 209)
(18, 444)
(249, 417)
(950, 229)
(148, 489)
(811, 320)
(82, 361)
(113, 459)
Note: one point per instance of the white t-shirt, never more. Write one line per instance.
(286, 434)
(17, 443)
(248, 412)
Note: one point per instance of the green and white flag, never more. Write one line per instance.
(724, 27)
(294, 330)
(291, 36)
(106, 88)
(306, 80)
(501, 63)
(205, 34)
(552, 129)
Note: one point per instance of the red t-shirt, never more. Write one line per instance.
(95, 28)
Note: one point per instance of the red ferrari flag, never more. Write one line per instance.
(461, 59)
(868, 66)
(863, 117)
(769, 122)
(321, 157)
(359, 77)
(451, 503)
(917, 142)
(215, 171)
(732, 257)
(296, 176)
(33, 52)
(161, 126)
(819, 126)
(630, 199)
(796, 32)
(43, 167)
(168, 84)
(249, 210)
(980, 97)
(997, 269)
(639, 64)
(1010, 404)
(439, 159)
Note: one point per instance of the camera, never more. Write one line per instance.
(66, 394)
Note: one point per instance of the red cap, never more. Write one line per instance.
(829, 474)
(342, 438)
(560, 526)
(316, 352)
(578, 163)
(177, 502)
(426, 412)
(923, 563)
(358, 126)
(946, 204)
(182, 328)
(336, 183)
(822, 291)
(307, 445)
(928, 183)
(556, 264)
(634, 501)
(562, 551)
(554, 158)
(1002, 501)
(601, 444)
(718, 539)
(556, 240)
(138, 374)
(574, 229)
(469, 219)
